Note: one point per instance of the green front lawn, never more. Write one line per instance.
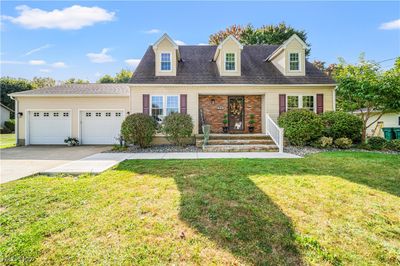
(7, 141)
(327, 209)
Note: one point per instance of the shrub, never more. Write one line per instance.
(10, 125)
(301, 126)
(343, 143)
(342, 125)
(178, 127)
(139, 129)
(323, 142)
(377, 143)
(393, 145)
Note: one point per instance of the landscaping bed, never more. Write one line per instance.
(156, 149)
(333, 208)
(307, 150)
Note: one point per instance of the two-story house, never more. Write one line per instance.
(208, 82)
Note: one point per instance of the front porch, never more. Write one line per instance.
(238, 114)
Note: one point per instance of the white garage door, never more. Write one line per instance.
(101, 126)
(49, 127)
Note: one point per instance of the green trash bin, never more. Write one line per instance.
(396, 131)
(387, 131)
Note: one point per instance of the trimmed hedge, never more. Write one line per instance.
(301, 126)
(139, 129)
(10, 125)
(178, 128)
(377, 143)
(393, 145)
(343, 143)
(342, 125)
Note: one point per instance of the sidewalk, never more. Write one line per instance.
(100, 162)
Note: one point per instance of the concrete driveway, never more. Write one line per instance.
(24, 161)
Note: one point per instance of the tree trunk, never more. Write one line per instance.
(364, 133)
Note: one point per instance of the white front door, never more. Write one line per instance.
(49, 127)
(100, 126)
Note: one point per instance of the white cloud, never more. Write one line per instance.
(59, 65)
(391, 25)
(101, 57)
(70, 18)
(37, 49)
(133, 62)
(11, 62)
(179, 42)
(37, 62)
(45, 70)
(152, 31)
(203, 43)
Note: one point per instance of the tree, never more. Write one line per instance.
(267, 34)
(9, 85)
(327, 70)
(366, 88)
(123, 76)
(106, 79)
(76, 81)
(38, 82)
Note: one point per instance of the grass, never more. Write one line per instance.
(7, 141)
(334, 208)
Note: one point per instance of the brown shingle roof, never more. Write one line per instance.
(197, 67)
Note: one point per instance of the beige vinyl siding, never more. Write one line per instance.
(270, 96)
(73, 104)
(230, 46)
(165, 46)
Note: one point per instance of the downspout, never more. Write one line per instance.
(16, 120)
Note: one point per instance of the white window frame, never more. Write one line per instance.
(299, 58)
(300, 102)
(170, 57)
(230, 70)
(164, 108)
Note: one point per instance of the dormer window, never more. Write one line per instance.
(294, 62)
(165, 62)
(230, 63)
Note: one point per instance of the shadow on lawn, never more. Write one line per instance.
(228, 208)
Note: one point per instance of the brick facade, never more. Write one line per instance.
(215, 106)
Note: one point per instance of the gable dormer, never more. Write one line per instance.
(166, 53)
(228, 57)
(290, 57)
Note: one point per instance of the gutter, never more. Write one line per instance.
(16, 120)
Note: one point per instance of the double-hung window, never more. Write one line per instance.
(166, 62)
(164, 105)
(230, 62)
(297, 102)
(294, 62)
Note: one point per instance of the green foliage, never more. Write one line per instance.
(366, 87)
(38, 82)
(252, 120)
(139, 129)
(342, 125)
(123, 76)
(9, 85)
(178, 128)
(106, 79)
(301, 126)
(10, 125)
(323, 142)
(393, 145)
(343, 143)
(267, 34)
(377, 143)
(225, 120)
(76, 81)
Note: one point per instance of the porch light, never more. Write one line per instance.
(20, 114)
(212, 101)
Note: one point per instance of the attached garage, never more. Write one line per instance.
(100, 126)
(48, 126)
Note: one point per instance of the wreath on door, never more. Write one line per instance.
(236, 106)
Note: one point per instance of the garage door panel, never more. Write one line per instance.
(49, 127)
(100, 127)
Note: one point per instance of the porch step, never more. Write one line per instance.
(235, 136)
(217, 141)
(241, 148)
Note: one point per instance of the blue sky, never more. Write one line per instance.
(88, 39)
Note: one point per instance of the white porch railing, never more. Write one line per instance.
(275, 132)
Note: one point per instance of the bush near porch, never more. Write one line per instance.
(325, 209)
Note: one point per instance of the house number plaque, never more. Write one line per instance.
(220, 107)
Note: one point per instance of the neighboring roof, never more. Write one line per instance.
(90, 89)
(197, 67)
(6, 107)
